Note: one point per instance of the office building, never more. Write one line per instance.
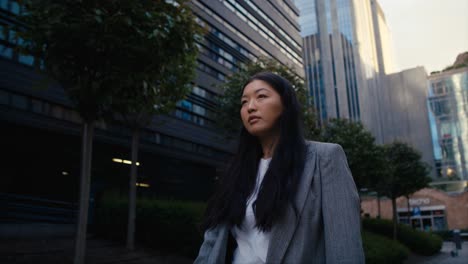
(181, 154)
(350, 72)
(448, 115)
(346, 52)
(403, 116)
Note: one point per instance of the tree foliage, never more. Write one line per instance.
(228, 117)
(406, 172)
(164, 52)
(105, 53)
(359, 145)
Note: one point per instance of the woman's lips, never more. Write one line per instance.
(253, 120)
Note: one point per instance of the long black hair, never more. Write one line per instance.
(279, 185)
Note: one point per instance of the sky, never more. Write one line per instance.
(429, 33)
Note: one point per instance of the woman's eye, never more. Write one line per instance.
(243, 102)
(262, 96)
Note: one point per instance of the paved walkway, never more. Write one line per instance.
(61, 250)
(444, 257)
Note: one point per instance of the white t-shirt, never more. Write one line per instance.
(252, 244)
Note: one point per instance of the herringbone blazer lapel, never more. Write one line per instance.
(283, 231)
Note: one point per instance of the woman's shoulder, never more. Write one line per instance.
(323, 149)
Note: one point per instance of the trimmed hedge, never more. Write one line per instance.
(169, 226)
(381, 250)
(417, 241)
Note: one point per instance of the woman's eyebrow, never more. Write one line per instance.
(261, 89)
(258, 90)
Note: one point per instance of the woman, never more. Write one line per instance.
(283, 199)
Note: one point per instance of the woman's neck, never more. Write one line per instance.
(268, 145)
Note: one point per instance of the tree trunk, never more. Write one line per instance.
(132, 192)
(86, 156)
(395, 218)
(378, 206)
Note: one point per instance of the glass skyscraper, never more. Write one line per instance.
(448, 105)
(346, 51)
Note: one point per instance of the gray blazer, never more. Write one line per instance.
(328, 227)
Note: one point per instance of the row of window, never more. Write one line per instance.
(243, 14)
(195, 113)
(9, 53)
(441, 107)
(196, 108)
(441, 88)
(11, 6)
(217, 57)
(61, 112)
(219, 34)
(211, 71)
(191, 117)
(8, 40)
(449, 105)
(222, 36)
(273, 24)
(288, 9)
(176, 143)
(210, 96)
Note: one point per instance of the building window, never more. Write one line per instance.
(15, 7)
(19, 101)
(425, 220)
(6, 52)
(211, 71)
(26, 59)
(4, 4)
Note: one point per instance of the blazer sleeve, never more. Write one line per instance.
(206, 248)
(340, 209)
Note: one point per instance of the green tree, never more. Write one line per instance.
(228, 117)
(103, 51)
(406, 175)
(151, 83)
(358, 144)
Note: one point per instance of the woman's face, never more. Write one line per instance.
(261, 108)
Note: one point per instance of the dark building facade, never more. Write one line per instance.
(181, 154)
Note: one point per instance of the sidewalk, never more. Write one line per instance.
(99, 251)
(61, 251)
(443, 257)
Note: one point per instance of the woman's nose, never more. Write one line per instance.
(250, 106)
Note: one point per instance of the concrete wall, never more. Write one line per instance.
(404, 114)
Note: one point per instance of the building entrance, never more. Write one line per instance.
(426, 218)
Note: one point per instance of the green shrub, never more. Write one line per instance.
(418, 241)
(169, 226)
(381, 250)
